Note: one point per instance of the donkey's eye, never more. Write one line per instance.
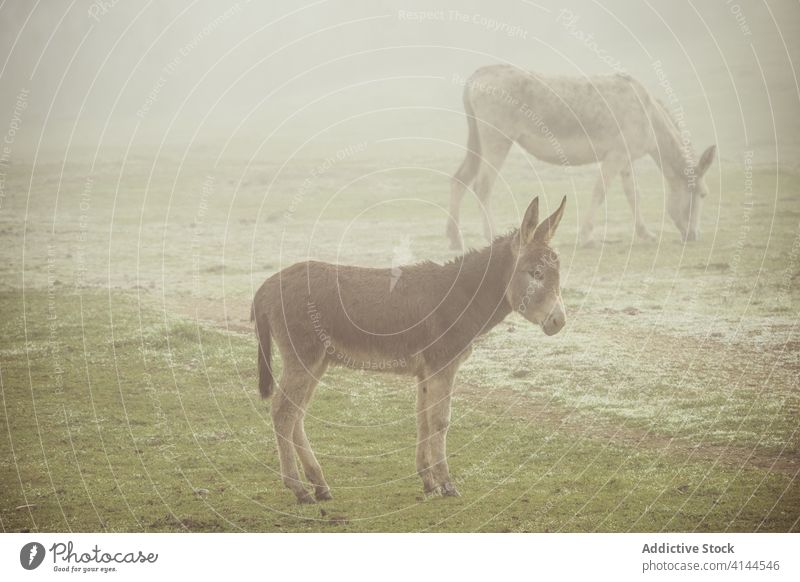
(537, 273)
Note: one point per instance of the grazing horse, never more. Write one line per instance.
(573, 121)
(421, 323)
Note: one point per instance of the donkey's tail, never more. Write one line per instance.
(265, 379)
(472, 160)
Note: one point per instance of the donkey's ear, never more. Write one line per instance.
(705, 160)
(530, 221)
(547, 229)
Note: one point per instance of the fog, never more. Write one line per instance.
(159, 161)
(89, 77)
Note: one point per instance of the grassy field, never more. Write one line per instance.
(128, 375)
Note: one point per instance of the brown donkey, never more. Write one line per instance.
(421, 323)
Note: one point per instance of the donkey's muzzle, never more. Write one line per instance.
(554, 322)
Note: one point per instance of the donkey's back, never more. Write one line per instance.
(562, 120)
(359, 317)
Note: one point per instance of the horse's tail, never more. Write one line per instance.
(265, 379)
(472, 160)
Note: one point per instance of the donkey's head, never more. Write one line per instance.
(534, 290)
(687, 191)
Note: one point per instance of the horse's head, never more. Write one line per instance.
(687, 191)
(534, 290)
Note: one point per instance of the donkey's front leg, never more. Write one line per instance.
(423, 438)
(439, 393)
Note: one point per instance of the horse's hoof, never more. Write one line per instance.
(324, 495)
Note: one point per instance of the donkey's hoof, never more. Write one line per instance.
(323, 495)
(645, 235)
(435, 491)
(305, 497)
(449, 490)
(446, 490)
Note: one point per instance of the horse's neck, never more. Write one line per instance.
(669, 155)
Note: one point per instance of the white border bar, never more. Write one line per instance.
(354, 557)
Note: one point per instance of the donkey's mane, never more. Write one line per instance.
(667, 112)
(670, 147)
(472, 253)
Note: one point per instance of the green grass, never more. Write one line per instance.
(127, 420)
(669, 402)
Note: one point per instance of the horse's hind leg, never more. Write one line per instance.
(288, 408)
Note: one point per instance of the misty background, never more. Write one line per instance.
(160, 160)
(98, 77)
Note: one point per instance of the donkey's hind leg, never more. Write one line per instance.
(302, 446)
(632, 193)
(311, 466)
(288, 408)
(609, 168)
